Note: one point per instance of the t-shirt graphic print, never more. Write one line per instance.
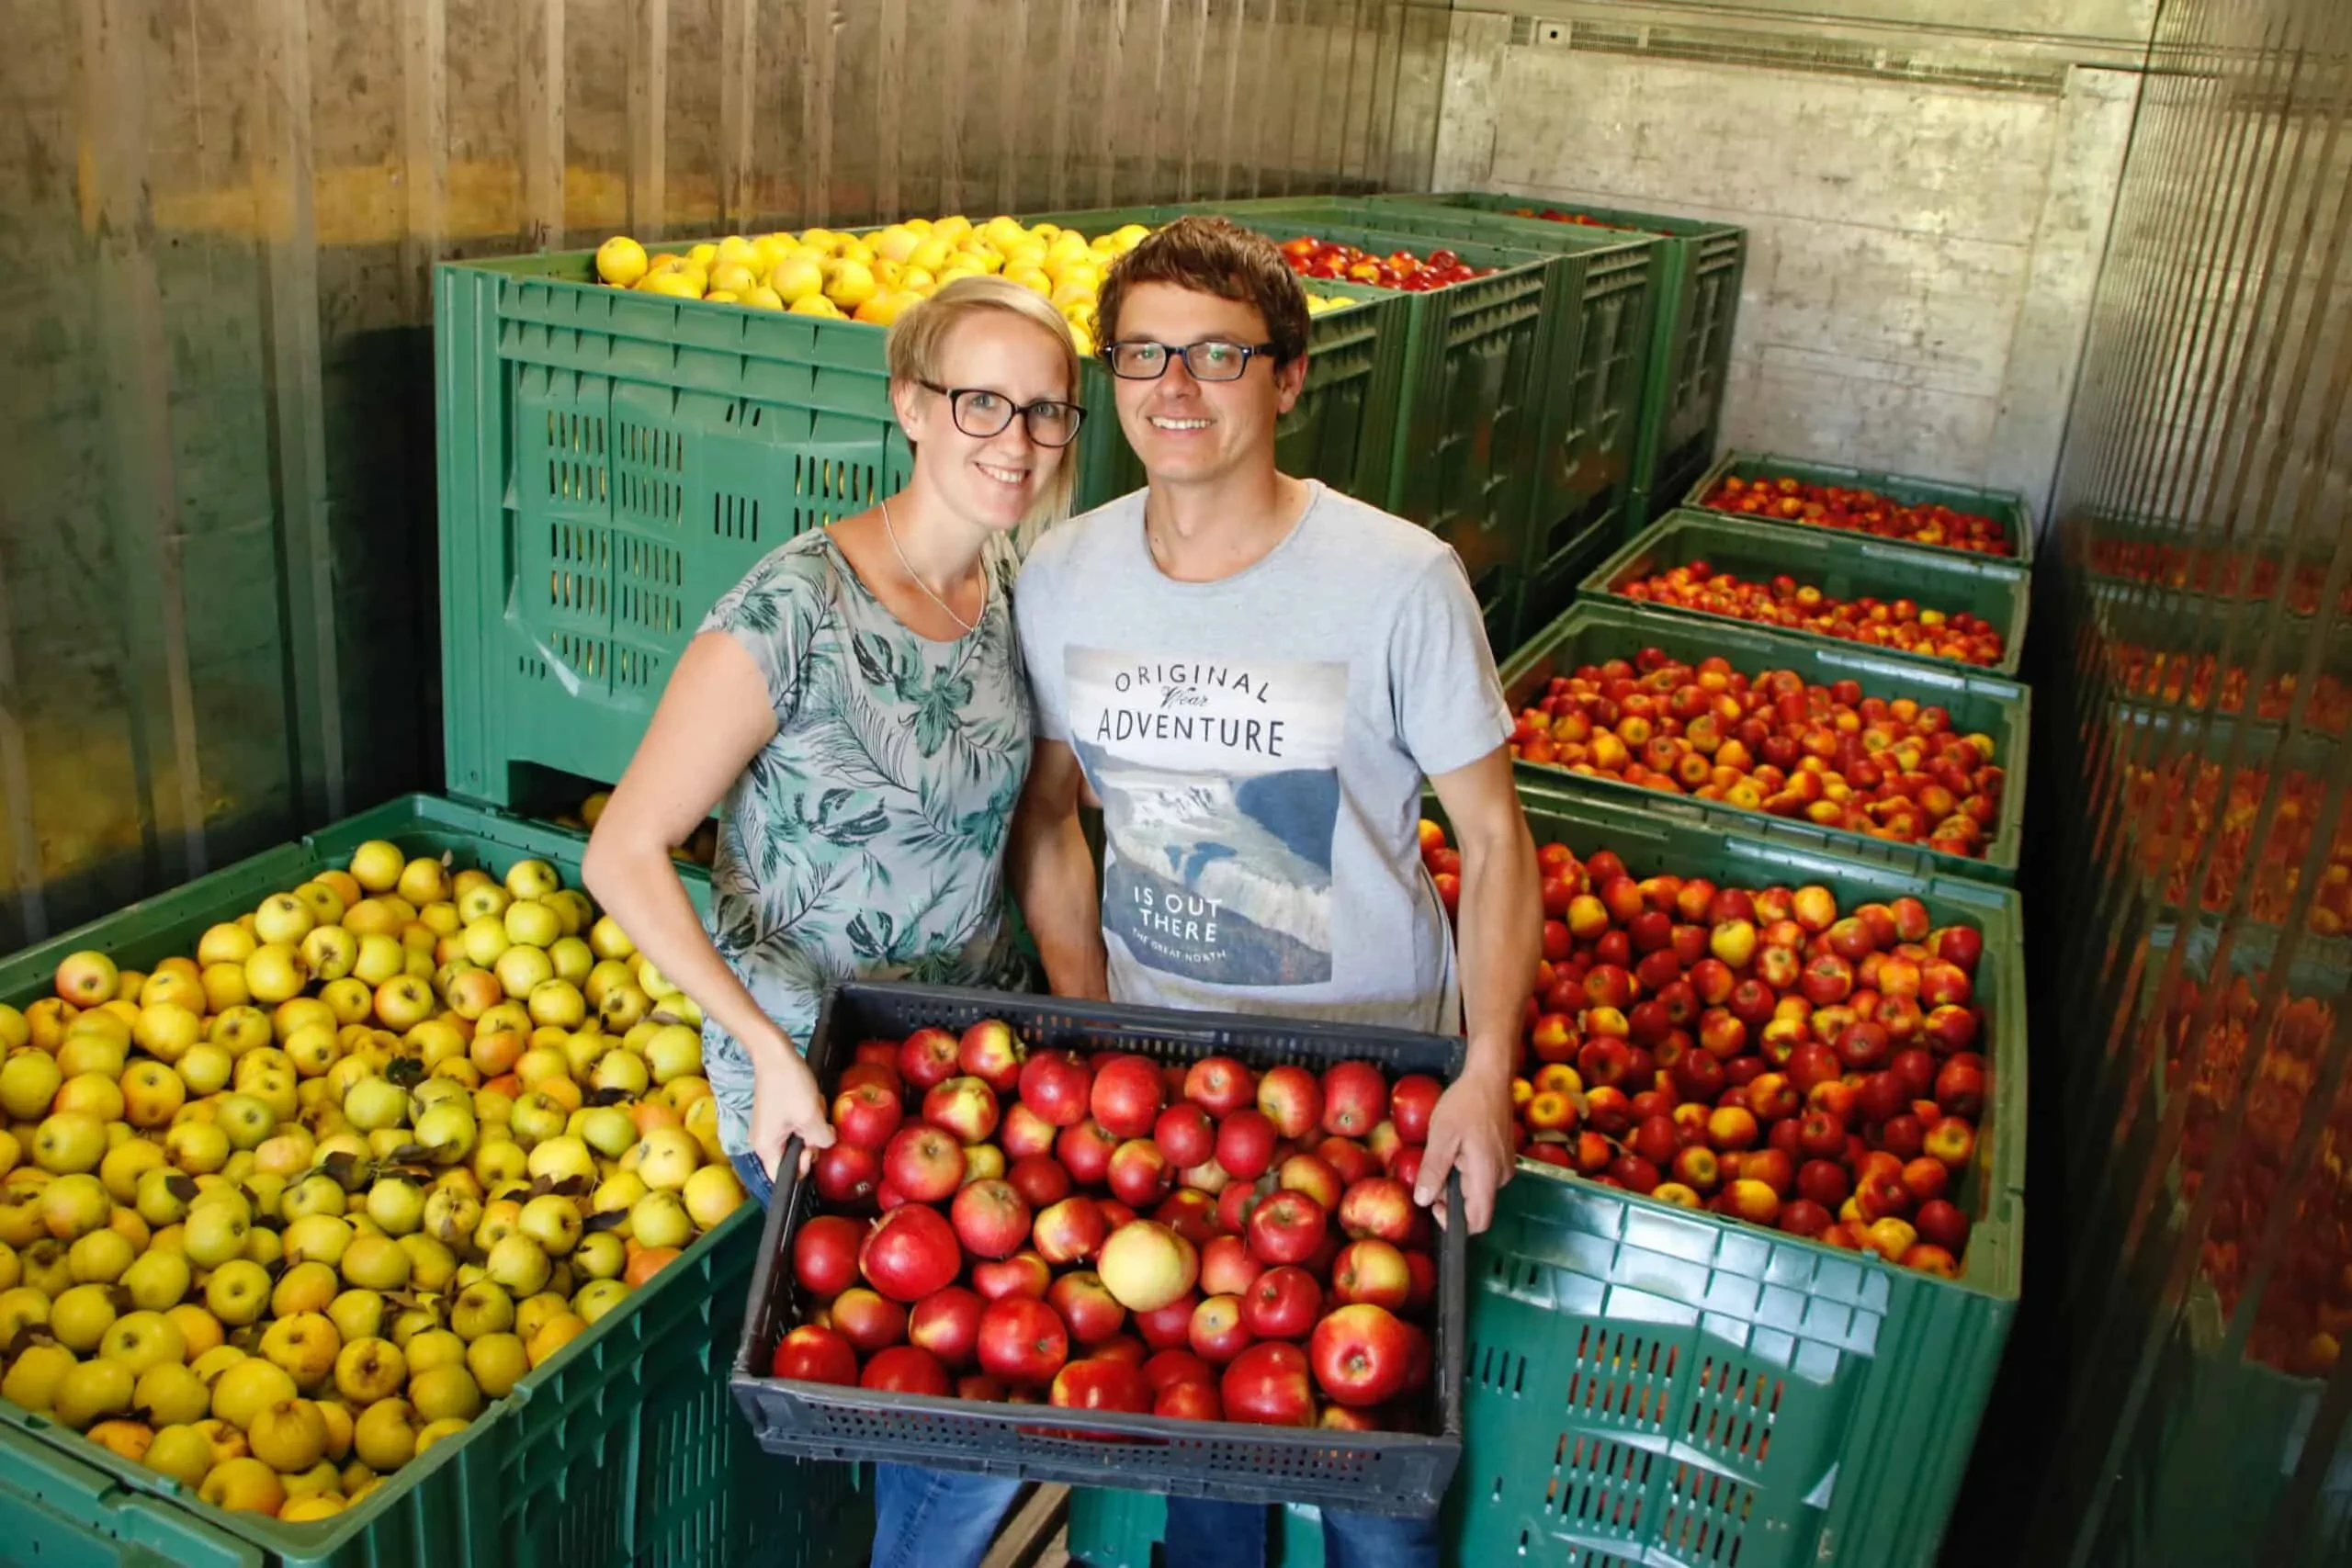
(1219, 780)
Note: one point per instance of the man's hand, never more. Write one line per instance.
(1470, 1132)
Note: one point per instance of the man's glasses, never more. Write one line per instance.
(980, 414)
(1212, 361)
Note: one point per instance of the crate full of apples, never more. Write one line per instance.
(1115, 1245)
(312, 1164)
(1820, 1065)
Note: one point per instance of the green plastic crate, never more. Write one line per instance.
(1597, 631)
(624, 1449)
(611, 463)
(1654, 1385)
(1701, 264)
(1841, 567)
(2005, 506)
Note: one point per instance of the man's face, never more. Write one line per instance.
(1193, 432)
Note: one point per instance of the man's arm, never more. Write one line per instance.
(1500, 938)
(1053, 876)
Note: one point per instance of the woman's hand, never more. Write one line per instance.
(785, 1103)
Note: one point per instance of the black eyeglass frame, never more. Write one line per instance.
(955, 396)
(1249, 351)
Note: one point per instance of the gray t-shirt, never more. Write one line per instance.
(1259, 745)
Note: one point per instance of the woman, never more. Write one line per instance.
(857, 703)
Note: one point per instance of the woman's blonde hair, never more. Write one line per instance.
(919, 339)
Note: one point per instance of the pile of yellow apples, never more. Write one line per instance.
(278, 1217)
(873, 276)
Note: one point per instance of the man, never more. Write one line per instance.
(1252, 675)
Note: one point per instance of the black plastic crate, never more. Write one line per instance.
(1376, 1472)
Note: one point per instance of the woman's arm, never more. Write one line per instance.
(714, 718)
(1053, 875)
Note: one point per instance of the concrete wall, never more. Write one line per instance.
(1926, 202)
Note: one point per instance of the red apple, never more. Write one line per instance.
(1752, 1200)
(1245, 1143)
(1960, 1088)
(1175, 1366)
(906, 1368)
(962, 1107)
(924, 1164)
(1227, 1268)
(912, 1253)
(1039, 1178)
(1926, 1179)
(1951, 1140)
(1360, 1354)
(1283, 1304)
(991, 1219)
(1085, 1152)
(1312, 1175)
(1127, 1096)
(1411, 1103)
(1291, 1099)
(928, 1056)
(1168, 1327)
(824, 1255)
(813, 1354)
(1058, 1086)
(947, 1324)
(1382, 1206)
(1370, 1270)
(990, 1052)
(1941, 1224)
(865, 1116)
(1070, 1231)
(1139, 1173)
(1186, 1134)
(1219, 1085)
(1217, 1332)
(869, 1321)
(1023, 1274)
(1355, 1099)
(1268, 1385)
(1096, 1383)
(1192, 1400)
(1022, 1341)
(1804, 1217)
(1023, 1134)
(1288, 1227)
(1092, 1313)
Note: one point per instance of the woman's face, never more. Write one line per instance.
(993, 481)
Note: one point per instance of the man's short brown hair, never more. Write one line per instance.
(1218, 256)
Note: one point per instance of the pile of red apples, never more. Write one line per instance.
(1891, 769)
(1761, 1053)
(1109, 1232)
(1901, 624)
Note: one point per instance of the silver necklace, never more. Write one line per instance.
(893, 534)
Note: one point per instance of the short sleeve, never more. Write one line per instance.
(1449, 703)
(1037, 599)
(773, 614)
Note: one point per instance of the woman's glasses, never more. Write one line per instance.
(980, 414)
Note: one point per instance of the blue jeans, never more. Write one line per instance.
(922, 1518)
(1204, 1534)
(946, 1518)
